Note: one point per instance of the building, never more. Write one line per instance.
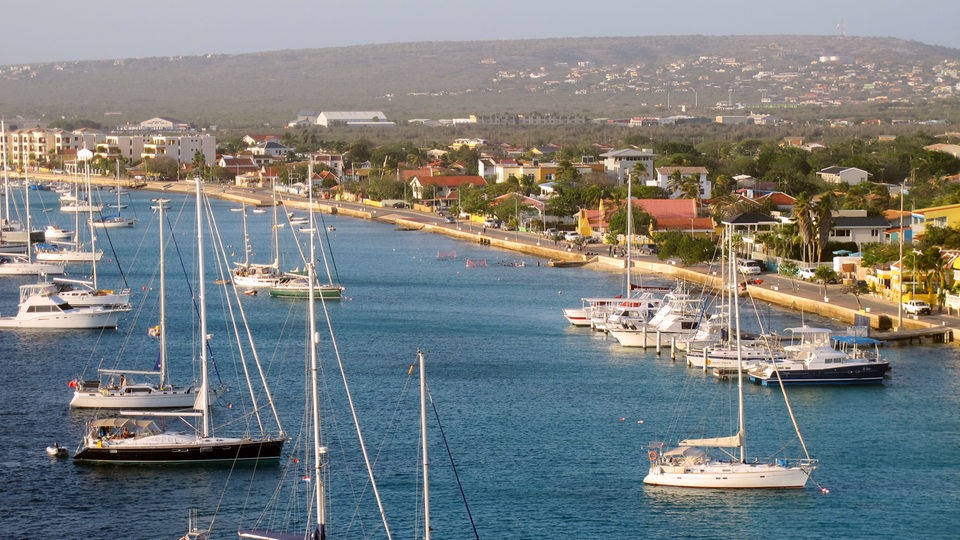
(665, 175)
(844, 175)
(163, 124)
(181, 148)
(353, 118)
(440, 191)
(40, 146)
(856, 226)
(621, 163)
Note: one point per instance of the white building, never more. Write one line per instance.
(352, 118)
(620, 163)
(844, 175)
(664, 175)
(181, 148)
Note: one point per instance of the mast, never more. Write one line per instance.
(6, 186)
(314, 337)
(163, 307)
(276, 233)
(629, 231)
(93, 237)
(26, 201)
(423, 442)
(202, 293)
(736, 313)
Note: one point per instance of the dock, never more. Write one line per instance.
(934, 334)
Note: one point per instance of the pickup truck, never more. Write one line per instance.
(917, 307)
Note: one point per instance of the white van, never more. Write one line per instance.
(748, 267)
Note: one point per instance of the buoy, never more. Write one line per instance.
(639, 421)
(652, 455)
(622, 419)
(824, 490)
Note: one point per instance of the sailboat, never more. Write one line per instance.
(74, 251)
(316, 512)
(690, 465)
(25, 265)
(13, 236)
(294, 284)
(115, 389)
(115, 221)
(135, 438)
(248, 274)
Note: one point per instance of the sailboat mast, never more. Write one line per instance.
(163, 306)
(629, 232)
(6, 185)
(314, 337)
(26, 202)
(276, 232)
(202, 292)
(93, 237)
(423, 442)
(736, 313)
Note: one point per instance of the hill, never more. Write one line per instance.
(594, 77)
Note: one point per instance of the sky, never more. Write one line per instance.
(62, 30)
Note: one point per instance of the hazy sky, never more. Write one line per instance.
(54, 30)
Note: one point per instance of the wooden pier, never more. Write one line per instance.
(934, 334)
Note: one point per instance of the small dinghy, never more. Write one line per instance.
(56, 450)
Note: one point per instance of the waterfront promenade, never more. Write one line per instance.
(828, 301)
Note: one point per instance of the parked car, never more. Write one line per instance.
(806, 273)
(572, 236)
(917, 307)
(450, 219)
(748, 267)
(551, 232)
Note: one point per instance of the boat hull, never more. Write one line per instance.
(79, 319)
(729, 476)
(872, 373)
(328, 292)
(134, 398)
(169, 450)
(30, 269)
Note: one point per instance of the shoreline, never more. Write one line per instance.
(779, 290)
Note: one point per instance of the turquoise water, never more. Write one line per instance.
(543, 420)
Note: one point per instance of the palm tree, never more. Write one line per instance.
(686, 185)
(823, 220)
(801, 216)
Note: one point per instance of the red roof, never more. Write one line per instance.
(451, 180)
(660, 209)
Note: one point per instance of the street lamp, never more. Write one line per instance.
(900, 283)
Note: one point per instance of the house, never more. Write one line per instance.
(271, 148)
(856, 226)
(237, 165)
(844, 175)
(934, 216)
(621, 163)
(665, 174)
(437, 190)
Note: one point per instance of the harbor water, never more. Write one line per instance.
(548, 425)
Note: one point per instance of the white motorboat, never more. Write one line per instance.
(40, 307)
(55, 232)
(21, 265)
(679, 317)
(814, 359)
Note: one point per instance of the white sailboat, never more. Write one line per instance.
(115, 221)
(316, 522)
(248, 274)
(690, 465)
(25, 265)
(118, 389)
(75, 251)
(135, 438)
(14, 237)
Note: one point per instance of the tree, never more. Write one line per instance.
(688, 186)
(676, 244)
(801, 216)
(823, 221)
(858, 289)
